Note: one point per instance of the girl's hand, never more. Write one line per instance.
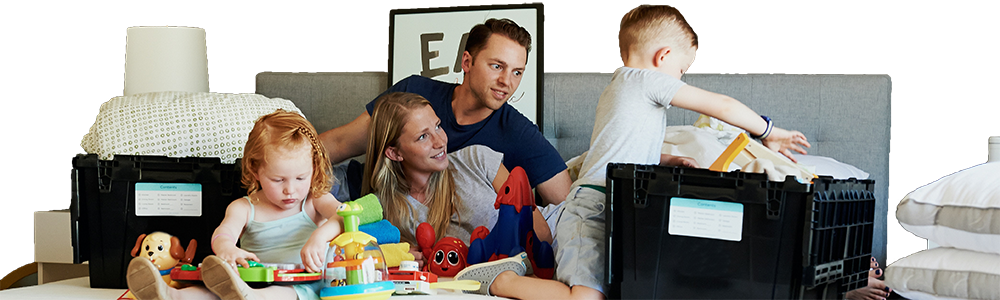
(784, 141)
(314, 255)
(236, 256)
(417, 256)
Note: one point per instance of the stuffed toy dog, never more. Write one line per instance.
(165, 251)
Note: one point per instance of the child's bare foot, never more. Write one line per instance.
(144, 280)
(222, 279)
(876, 289)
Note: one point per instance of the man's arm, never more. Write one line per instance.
(554, 190)
(347, 141)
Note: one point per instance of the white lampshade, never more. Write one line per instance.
(994, 150)
(165, 58)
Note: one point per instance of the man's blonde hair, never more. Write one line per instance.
(654, 26)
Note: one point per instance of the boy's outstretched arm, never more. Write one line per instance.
(734, 112)
(314, 251)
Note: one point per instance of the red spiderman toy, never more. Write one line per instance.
(513, 232)
(446, 257)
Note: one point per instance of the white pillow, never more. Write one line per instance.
(946, 273)
(961, 210)
(178, 124)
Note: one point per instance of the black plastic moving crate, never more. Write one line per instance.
(105, 225)
(798, 240)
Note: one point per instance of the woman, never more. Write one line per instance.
(408, 168)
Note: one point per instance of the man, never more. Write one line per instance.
(476, 111)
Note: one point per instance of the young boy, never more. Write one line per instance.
(657, 46)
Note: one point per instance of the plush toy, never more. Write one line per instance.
(444, 258)
(166, 252)
(371, 222)
(514, 232)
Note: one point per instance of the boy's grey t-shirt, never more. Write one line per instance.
(475, 167)
(630, 122)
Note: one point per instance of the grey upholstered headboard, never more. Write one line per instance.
(328, 100)
(845, 117)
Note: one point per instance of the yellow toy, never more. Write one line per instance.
(355, 265)
(743, 150)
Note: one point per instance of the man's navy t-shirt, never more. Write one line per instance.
(506, 130)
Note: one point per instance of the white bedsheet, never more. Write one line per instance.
(79, 288)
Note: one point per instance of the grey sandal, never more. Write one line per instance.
(144, 280)
(221, 279)
(486, 272)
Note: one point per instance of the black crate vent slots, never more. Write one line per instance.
(682, 233)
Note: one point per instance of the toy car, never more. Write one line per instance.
(257, 275)
(186, 272)
(409, 280)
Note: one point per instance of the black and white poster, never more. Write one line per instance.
(430, 42)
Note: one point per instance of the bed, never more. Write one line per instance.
(845, 117)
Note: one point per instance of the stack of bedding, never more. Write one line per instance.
(178, 124)
(960, 212)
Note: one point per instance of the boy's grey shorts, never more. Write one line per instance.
(579, 239)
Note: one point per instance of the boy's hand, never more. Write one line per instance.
(314, 255)
(239, 256)
(417, 256)
(678, 161)
(783, 141)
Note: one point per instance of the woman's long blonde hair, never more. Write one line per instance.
(385, 178)
(283, 130)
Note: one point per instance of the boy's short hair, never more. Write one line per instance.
(481, 33)
(654, 25)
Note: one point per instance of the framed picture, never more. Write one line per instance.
(430, 42)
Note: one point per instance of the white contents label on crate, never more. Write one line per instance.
(706, 219)
(167, 199)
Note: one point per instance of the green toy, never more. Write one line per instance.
(355, 266)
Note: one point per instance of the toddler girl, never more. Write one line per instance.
(288, 217)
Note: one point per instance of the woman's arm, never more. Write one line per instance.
(314, 251)
(501, 177)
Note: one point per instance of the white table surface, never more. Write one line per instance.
(79, 288)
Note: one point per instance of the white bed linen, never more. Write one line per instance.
(79, 288)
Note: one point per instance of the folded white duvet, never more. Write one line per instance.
(178, 124)
(702, 144)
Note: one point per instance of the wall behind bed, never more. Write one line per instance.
(310, 37)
